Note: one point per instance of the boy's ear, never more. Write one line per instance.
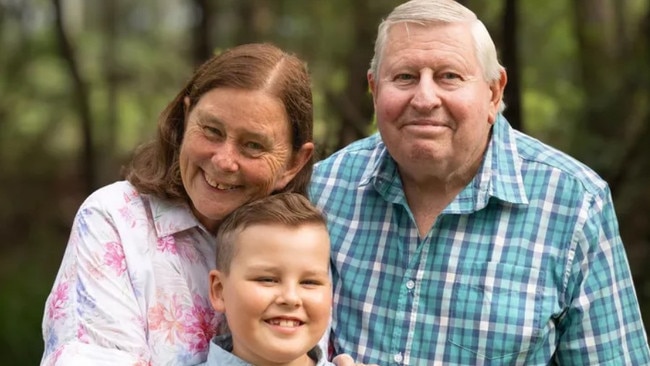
(216, 290)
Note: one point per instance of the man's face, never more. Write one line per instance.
(434, 108)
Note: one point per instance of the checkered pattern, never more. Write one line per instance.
(524, 267)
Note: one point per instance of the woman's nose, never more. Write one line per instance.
(225, 157)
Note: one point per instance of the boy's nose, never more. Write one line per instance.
(289, 296)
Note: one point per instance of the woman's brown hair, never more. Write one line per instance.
(154, 168)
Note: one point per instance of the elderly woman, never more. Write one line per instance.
(133, 285)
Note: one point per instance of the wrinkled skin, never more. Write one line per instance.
(236, 148)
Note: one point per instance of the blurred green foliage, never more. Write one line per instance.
(135, 61)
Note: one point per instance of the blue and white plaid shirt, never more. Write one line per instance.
(525, 267)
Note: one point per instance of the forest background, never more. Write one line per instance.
(82, 82)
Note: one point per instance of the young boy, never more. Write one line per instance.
(272, 283)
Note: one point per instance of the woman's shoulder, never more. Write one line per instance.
(114, 195)
(114, 202)
(115, 189)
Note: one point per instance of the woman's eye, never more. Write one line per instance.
(212, 131)
(252, 149)
(251, 145)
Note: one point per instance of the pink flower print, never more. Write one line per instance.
(114, 257)
(57, 354)
(187, 250)
(168, 319)
(167, 244)
(127, 215)
(82, 334)
(201, 323)
(130, 196)
(58, 300)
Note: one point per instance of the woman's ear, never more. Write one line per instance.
(300, 158)
(186, 107)
(216, 291)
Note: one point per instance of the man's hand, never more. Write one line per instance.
(346, 360)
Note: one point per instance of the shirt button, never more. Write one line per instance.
(410, 284)
(398, 357)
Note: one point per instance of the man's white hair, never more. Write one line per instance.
(425, 12)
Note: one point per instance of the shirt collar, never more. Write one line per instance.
(499, 175)
(171, 217)
(381, 171)
(220, 352)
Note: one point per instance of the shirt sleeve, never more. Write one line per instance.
(602, 324)
(92, 313)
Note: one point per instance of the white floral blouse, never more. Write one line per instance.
(133, 285)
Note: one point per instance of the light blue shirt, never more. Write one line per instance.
(525, 267)
(221, 348)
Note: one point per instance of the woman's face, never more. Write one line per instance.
(236, 148)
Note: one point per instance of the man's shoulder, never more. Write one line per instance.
(346, 169)
(537, 156)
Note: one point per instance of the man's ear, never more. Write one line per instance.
(300, 158)
(216, 290)
(496, 96)
(372, 84)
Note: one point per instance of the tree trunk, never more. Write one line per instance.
(87, 156)
(355, 105)
(512, 94)
(256, 19)
(202, 47)
(111, 78)
(603, 78)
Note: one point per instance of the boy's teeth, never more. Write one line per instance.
(285, 323)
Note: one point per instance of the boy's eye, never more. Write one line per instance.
(312, 282)
(265, 279)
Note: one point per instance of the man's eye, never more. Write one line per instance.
(450, 76)
(404, 77)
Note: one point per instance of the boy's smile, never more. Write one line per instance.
(277, 297)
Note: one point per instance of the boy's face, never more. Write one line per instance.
(277, 297)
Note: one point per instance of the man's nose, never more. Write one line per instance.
(426, 95)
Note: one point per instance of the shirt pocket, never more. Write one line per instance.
(495, 310)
